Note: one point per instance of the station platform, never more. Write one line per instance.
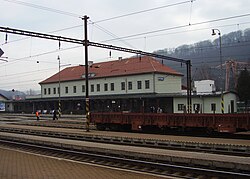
(22, 165)
(189, 158)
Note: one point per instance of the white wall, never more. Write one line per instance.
(170, 84)
(167, 83)
(206, 101)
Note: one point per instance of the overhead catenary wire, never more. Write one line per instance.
(111, 34)
(172, 33)
(44, 8)
(80, 16)
(180, 27)
(190, 13)
(129, 14)
(56, 51)
(27, 73)
(142, 11)
(98, 21)
(41, 54)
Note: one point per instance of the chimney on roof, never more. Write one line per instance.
(119, 58)
(90, 63)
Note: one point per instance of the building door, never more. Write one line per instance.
(232, 106)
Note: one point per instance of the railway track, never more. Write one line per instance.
(157, 167)
(78, 122)
(81, 125)
(225, 149)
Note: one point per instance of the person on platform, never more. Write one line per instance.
(37, 115)
(55, 115)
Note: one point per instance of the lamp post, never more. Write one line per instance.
(222, 100)
(59, 85)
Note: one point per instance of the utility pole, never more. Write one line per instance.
(86, 44)
(189, 86)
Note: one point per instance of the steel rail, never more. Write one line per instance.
(234, 150)
(154, 167)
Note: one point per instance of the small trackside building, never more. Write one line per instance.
(207, 103)
(3, 101)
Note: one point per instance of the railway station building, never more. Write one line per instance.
(137, 84)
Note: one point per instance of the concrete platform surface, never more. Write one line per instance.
(20, 165)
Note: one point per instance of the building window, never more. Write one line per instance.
(112, 86)
(83, 88)
(213, 107)
(196, 108)
(45, 91)
(54, 90)
(147, 85)
(130, 85)
(48, 90)
(106, 87)
(66, 89)
(92, 88)
(98, 87)
(122, 85)
(74, 89)
(180, 107)
(138, 84)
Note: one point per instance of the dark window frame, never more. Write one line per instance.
(123, 84)
(147, 84)
(130, 85)
(92, 88)
(98, 87)
(105, 86)
(139, 85)
(74, 89)
(112, 87)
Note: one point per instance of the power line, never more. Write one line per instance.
(142, 11)
(41, 54)
(179, 27)
(101, 28)
(55, 51)
(98, 21)
(27, 73)
(59, 30)
(44, 8)
(184, 31)
(111, 34)
(16, 82)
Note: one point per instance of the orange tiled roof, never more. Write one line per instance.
(129, 66)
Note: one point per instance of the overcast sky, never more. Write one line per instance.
(23, 72)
